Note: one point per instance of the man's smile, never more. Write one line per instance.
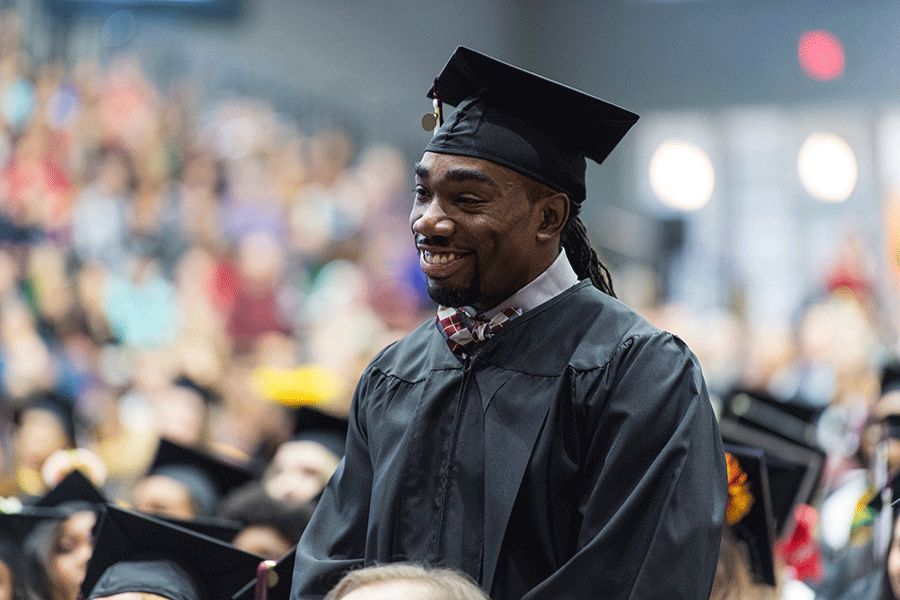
(440, 263)
(439, 258)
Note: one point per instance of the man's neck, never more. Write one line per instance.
(555, 279)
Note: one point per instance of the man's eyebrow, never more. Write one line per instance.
(463, 174)
(457, 174)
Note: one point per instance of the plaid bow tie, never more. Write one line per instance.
(462, 331)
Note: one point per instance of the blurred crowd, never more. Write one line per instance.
(207, 272)
(157, 252)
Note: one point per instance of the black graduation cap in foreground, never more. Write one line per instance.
(74, 487)
(756, 528)
(278, 578)
(787, 418)
(224, 530)
(139, 553)
(206, 477)
(525, 122)
(14, 528)
(794, 469)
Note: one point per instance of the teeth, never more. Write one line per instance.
(438, 259)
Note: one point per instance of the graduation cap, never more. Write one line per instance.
(206, 477)
(786, 418)
(224, 530)
(316, 426)
(756, 526)
(277, 577)
(517, 119)
(15, 527)
(75, 487)
(794, 469)
(139, 553)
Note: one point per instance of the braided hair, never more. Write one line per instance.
(582, 255)
(575, 242)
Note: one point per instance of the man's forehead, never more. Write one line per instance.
(451, 166)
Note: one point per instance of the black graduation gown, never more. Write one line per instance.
(598, 452)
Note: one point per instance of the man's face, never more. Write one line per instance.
(475, 230)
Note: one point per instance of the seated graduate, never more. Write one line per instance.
(303, 465)
(746, 569)
(186, 483)
(884, 582)
(57, 551)
(404, 581)
(14, 529)
(150, 559)
(785, 432)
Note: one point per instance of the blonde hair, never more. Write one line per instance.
(446, 584)
(733, 579)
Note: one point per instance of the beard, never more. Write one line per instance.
(468, 295)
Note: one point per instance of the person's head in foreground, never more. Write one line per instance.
(402, 581)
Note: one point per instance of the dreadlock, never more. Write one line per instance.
(575, 242)
(583, 256)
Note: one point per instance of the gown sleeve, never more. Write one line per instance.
(334, 541)
(654, 486)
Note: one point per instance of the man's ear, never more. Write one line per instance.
(554, 213)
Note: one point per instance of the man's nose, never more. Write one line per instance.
(432, 220)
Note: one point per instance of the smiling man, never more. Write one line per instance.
(537, 435)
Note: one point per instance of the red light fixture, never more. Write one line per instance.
(821, 55)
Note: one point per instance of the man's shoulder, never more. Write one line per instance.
(592, 320)
(407, 358)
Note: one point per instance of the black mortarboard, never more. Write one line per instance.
(786, 418)
(206, 477)
(316, 426)
(223, 530)
(277, 577)
(14, 528)
(525, 122)
(75, 487)
(756, 528)
(794, 469)
(139, 553)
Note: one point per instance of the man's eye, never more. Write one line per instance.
(420, 192)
